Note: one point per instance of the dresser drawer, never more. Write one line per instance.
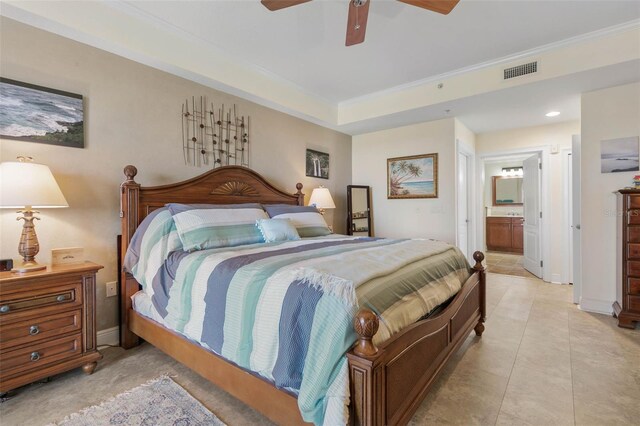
(633, 251)
(43, 300)
(39, 354)
(633, 268)
(634, 303)
(634, 286)
(633, 234)
(633, 217)
(39, 328)
(633, 201)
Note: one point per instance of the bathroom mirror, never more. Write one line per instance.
(359, 211)
(507, 190)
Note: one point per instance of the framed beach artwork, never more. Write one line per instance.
(413, 177)
(317, 164)
(33, 113)
(620, 155)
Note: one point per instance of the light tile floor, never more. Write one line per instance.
(507, 264)
(541, 361)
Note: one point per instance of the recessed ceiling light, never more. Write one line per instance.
(553, 113)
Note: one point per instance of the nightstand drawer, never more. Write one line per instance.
(634, 286)
(45, 300)
(39, 328)
(39, 354)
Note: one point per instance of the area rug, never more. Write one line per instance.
(159, 402)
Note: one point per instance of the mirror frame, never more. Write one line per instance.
(350, 208)
(493, 191)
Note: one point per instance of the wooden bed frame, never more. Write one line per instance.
(387, 382)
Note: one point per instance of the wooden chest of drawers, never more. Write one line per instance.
(47, 323)
(627, 304)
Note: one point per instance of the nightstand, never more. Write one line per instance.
(47, 323)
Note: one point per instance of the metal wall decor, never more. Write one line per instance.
(213, 137)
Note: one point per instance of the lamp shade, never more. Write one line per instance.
(29, 184)
(321, 198)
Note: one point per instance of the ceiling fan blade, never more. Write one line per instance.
(357, 22)
(440, 6)
(281, 4)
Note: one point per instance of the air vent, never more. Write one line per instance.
(521, 70)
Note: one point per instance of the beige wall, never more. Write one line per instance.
(132, 115)
(553, 135)
(409, 218)
(606, 114)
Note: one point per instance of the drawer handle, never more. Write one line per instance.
(4, 309)
(61, 298)
(33, 330)
(35, 356)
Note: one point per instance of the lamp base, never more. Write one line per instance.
(26, 267)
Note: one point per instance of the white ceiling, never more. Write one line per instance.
(305, 44)
(294, 60)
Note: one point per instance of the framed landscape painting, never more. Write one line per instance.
(413, 177)
(317, 164)
(620, 155)
(33, 113)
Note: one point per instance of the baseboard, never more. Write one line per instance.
(596, 305)
(109, 336)
(556, 279)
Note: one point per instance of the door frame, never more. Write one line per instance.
(468, 151)
(545, 199)
(566, 217)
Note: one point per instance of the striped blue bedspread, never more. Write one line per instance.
(284, 310)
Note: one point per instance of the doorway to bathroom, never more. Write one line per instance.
(512, 204)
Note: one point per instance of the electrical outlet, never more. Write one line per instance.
(112, 289)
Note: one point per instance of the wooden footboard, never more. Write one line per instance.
(389, 382)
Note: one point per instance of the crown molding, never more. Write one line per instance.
(604, 32)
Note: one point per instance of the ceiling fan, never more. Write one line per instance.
(359, 12)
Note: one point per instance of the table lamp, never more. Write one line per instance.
(321, 199)
(26, 185)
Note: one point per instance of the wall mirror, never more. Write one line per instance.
(507, 190)
(359, 210)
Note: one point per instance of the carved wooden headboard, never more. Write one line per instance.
(222, 185)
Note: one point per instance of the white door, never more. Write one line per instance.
(463, 203)
(575, 218)
(531, 231)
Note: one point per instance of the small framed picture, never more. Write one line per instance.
(619, 155)
(317, 164)
(64, 256)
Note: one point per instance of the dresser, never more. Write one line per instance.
(504, 233)
(47, 323)
(627, 305)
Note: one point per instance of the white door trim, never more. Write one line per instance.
(566, 217)
(469, 152)
(545, 199)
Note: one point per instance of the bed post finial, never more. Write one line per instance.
(366, 325)
(478, 267)
(130, 172)
(299, 194)
(478, 256)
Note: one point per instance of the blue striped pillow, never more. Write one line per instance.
(204, 226)
(307, 220)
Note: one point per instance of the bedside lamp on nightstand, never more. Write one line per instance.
(27, 186)
(321, 199)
